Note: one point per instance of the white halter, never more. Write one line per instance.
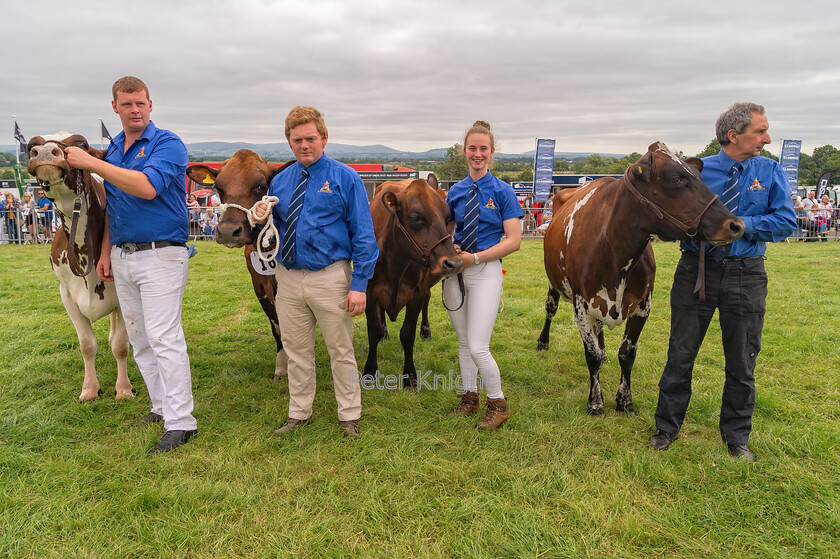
(268, 232)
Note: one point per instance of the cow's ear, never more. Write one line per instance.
(389, 200)
(34, 141)
(695, 162)
(641, 168)
(97, 153)
(202, 174)
(432, 180)
(282, 167)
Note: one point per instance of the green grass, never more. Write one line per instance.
(553, 482)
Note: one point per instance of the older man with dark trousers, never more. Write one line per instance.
(755, 189)
(324, 223)
(144, 247)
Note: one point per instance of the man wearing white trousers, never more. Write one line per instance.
(144, 252)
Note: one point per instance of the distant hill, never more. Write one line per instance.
(280, 150)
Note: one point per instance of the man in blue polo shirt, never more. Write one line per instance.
(46, 206)
(324, 222)
(755, 189)
(144, 252)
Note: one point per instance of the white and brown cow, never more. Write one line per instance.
(86, 298)
(598, 255)
(242, 181)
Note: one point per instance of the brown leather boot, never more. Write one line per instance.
(468, 404)
(497, 413)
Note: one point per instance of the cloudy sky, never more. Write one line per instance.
(605, 76)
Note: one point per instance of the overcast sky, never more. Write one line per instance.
(605, 76)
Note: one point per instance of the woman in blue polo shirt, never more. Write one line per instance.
(487, 214)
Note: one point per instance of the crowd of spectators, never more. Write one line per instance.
(815, 217)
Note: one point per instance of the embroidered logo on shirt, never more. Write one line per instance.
(756, 185)
(326, 187)
(490, 204)
(141, 153)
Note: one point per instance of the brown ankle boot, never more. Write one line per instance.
(497, 413)
(468, 404)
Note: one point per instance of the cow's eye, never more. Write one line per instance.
(417, 220)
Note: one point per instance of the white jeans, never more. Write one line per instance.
(150, 288)
(474, 322)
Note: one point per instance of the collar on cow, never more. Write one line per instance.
(687, 227)
(425, 254)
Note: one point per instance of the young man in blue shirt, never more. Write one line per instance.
(736, 282)
(144, 252)
(323, 218)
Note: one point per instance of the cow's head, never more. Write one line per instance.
(243, 180)
(48, 164)
(425, 220)
(677, 198)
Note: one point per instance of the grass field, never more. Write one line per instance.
(553, 482)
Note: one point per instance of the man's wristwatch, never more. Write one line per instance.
(475, 258)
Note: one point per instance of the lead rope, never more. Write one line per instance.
(269, 230)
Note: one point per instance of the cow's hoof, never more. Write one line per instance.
(89, 395)
(542, 346)
(126, 394)
(425, 333)
(595, 410)
(280, 374)
(627, 410)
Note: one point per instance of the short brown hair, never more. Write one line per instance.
(129, 84)
(301, 115)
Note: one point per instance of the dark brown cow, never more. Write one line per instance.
(243, 180)
(413, 230)
(599, 258)
(86, 298)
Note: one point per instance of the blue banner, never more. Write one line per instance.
(543, 169)
(790, 162)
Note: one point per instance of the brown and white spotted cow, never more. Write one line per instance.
(599, 258)
(242, 181)
(73, 260)
(413, 230)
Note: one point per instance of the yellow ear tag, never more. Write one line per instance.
(208, 180)
(639, 171)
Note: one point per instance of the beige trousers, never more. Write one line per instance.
(303, 298)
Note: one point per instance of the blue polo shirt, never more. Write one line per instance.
(764, 202)
(46, 206)
(497, 203)
(334, 223)
(162, 157)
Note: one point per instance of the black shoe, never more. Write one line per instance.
(661, 440)
(171, 440)
(151, 418)
(741, 451)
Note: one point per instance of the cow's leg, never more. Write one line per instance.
(87, 346)
(374, 330)
(550, 311)
(281, 363)
(118, 340)
(383, 324)
(425, 328)
(626, 358)
(408, 333)
(592, 334)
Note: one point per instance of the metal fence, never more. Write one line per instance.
(38, 226)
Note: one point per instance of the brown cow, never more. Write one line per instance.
(412, 225)
(243, 180)
(86, 298)
(599, 258)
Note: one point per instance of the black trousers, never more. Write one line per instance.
(737, 288)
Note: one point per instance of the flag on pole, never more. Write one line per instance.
(19, 137)
(105, 133)
(822, 184)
